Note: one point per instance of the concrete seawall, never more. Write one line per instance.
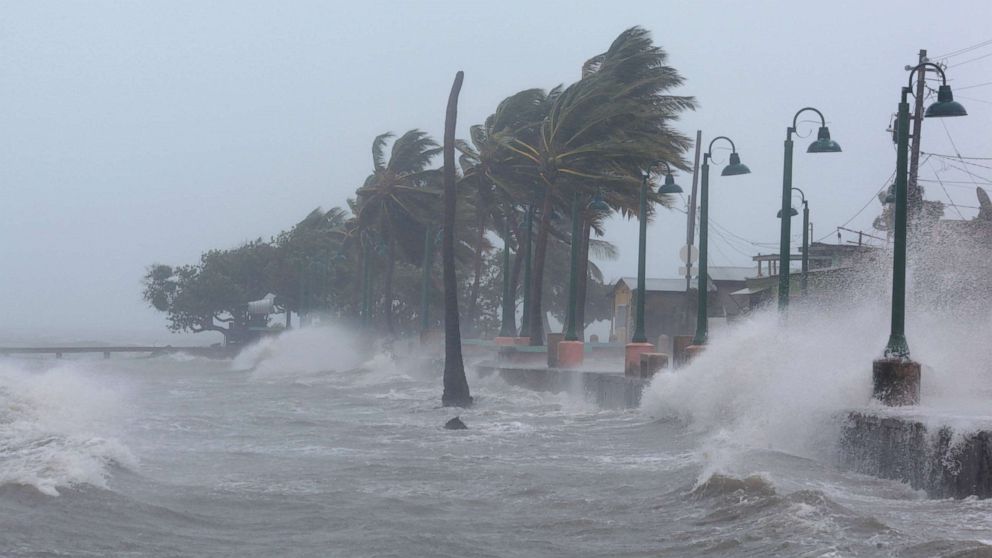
(609, 390)
(921, 452)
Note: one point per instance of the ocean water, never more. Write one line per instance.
(301, 446)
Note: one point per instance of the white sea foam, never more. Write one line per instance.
(785, 384)
(308, 354)
(56, 427)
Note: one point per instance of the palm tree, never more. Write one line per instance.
(395, 202)
(488, 172)
(599, 132)
(456, 392)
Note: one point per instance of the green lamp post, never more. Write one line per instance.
(597, 204)
(733, 169)
(669, 187)
(896, 378)
(793, 213)
(508, 325)
(823, 144)
(528, 230)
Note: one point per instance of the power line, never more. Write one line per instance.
(946, 193)
(973, 86)
(965, 49)
(958, 157)
(864, 207)
(970, 60)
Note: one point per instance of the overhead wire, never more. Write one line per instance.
(964, 50)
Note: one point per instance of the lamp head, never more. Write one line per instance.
(823, 143)
(945, 105)
(735, 167)
(792, 212)
(670, 187)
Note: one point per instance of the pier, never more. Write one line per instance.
(59, 352)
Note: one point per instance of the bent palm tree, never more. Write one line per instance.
(395, 202)
(599, 132)
(456, 392)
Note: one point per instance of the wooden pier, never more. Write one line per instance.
(59, 352)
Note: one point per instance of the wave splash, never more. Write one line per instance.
(308, 354)
(55, 428)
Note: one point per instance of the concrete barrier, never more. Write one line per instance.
(944, 463)
(609, 390)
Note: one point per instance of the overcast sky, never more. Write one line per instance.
(140, 132)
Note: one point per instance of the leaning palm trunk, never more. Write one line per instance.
(537, 281)
(456, 393)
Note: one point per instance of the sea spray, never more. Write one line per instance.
(58, 426)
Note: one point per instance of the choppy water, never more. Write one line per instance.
(292, 451)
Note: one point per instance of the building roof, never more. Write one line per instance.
(653, 284)
(730, 273)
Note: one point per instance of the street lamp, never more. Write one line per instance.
(733, 169)
(793, 213)
(528, 230)
(823, 144)
(570, 351)
(639, 340)
(896, 378)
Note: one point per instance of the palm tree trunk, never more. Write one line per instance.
(583, 278)
(387, 303)
(473, 301)
(456, 393)
(537, 281)
(518, 258)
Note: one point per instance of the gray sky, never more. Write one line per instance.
(141, 132)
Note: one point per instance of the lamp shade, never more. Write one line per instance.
(792, 212)
(823, 143)
(945, 105)
(735, 167)
(670, 187)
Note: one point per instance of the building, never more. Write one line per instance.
(670, 309)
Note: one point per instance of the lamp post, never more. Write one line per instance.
(793, 213)
(896, 378)
(571, 350)
(525, 318)
(823, 144)
(639, 341)
(734, 168)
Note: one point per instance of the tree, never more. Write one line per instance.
(600, 132)
(213, 294)
(456, 392)
(394, 204)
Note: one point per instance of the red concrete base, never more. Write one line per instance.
(896, 381)
(570, 354)
(521, 340)
(632, 358)
(505, 341)
(652, 363)
(679, 344)
(692, 351)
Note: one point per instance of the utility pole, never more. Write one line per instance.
(690, 232)
(914, 193)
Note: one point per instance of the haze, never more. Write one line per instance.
(144, 132)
